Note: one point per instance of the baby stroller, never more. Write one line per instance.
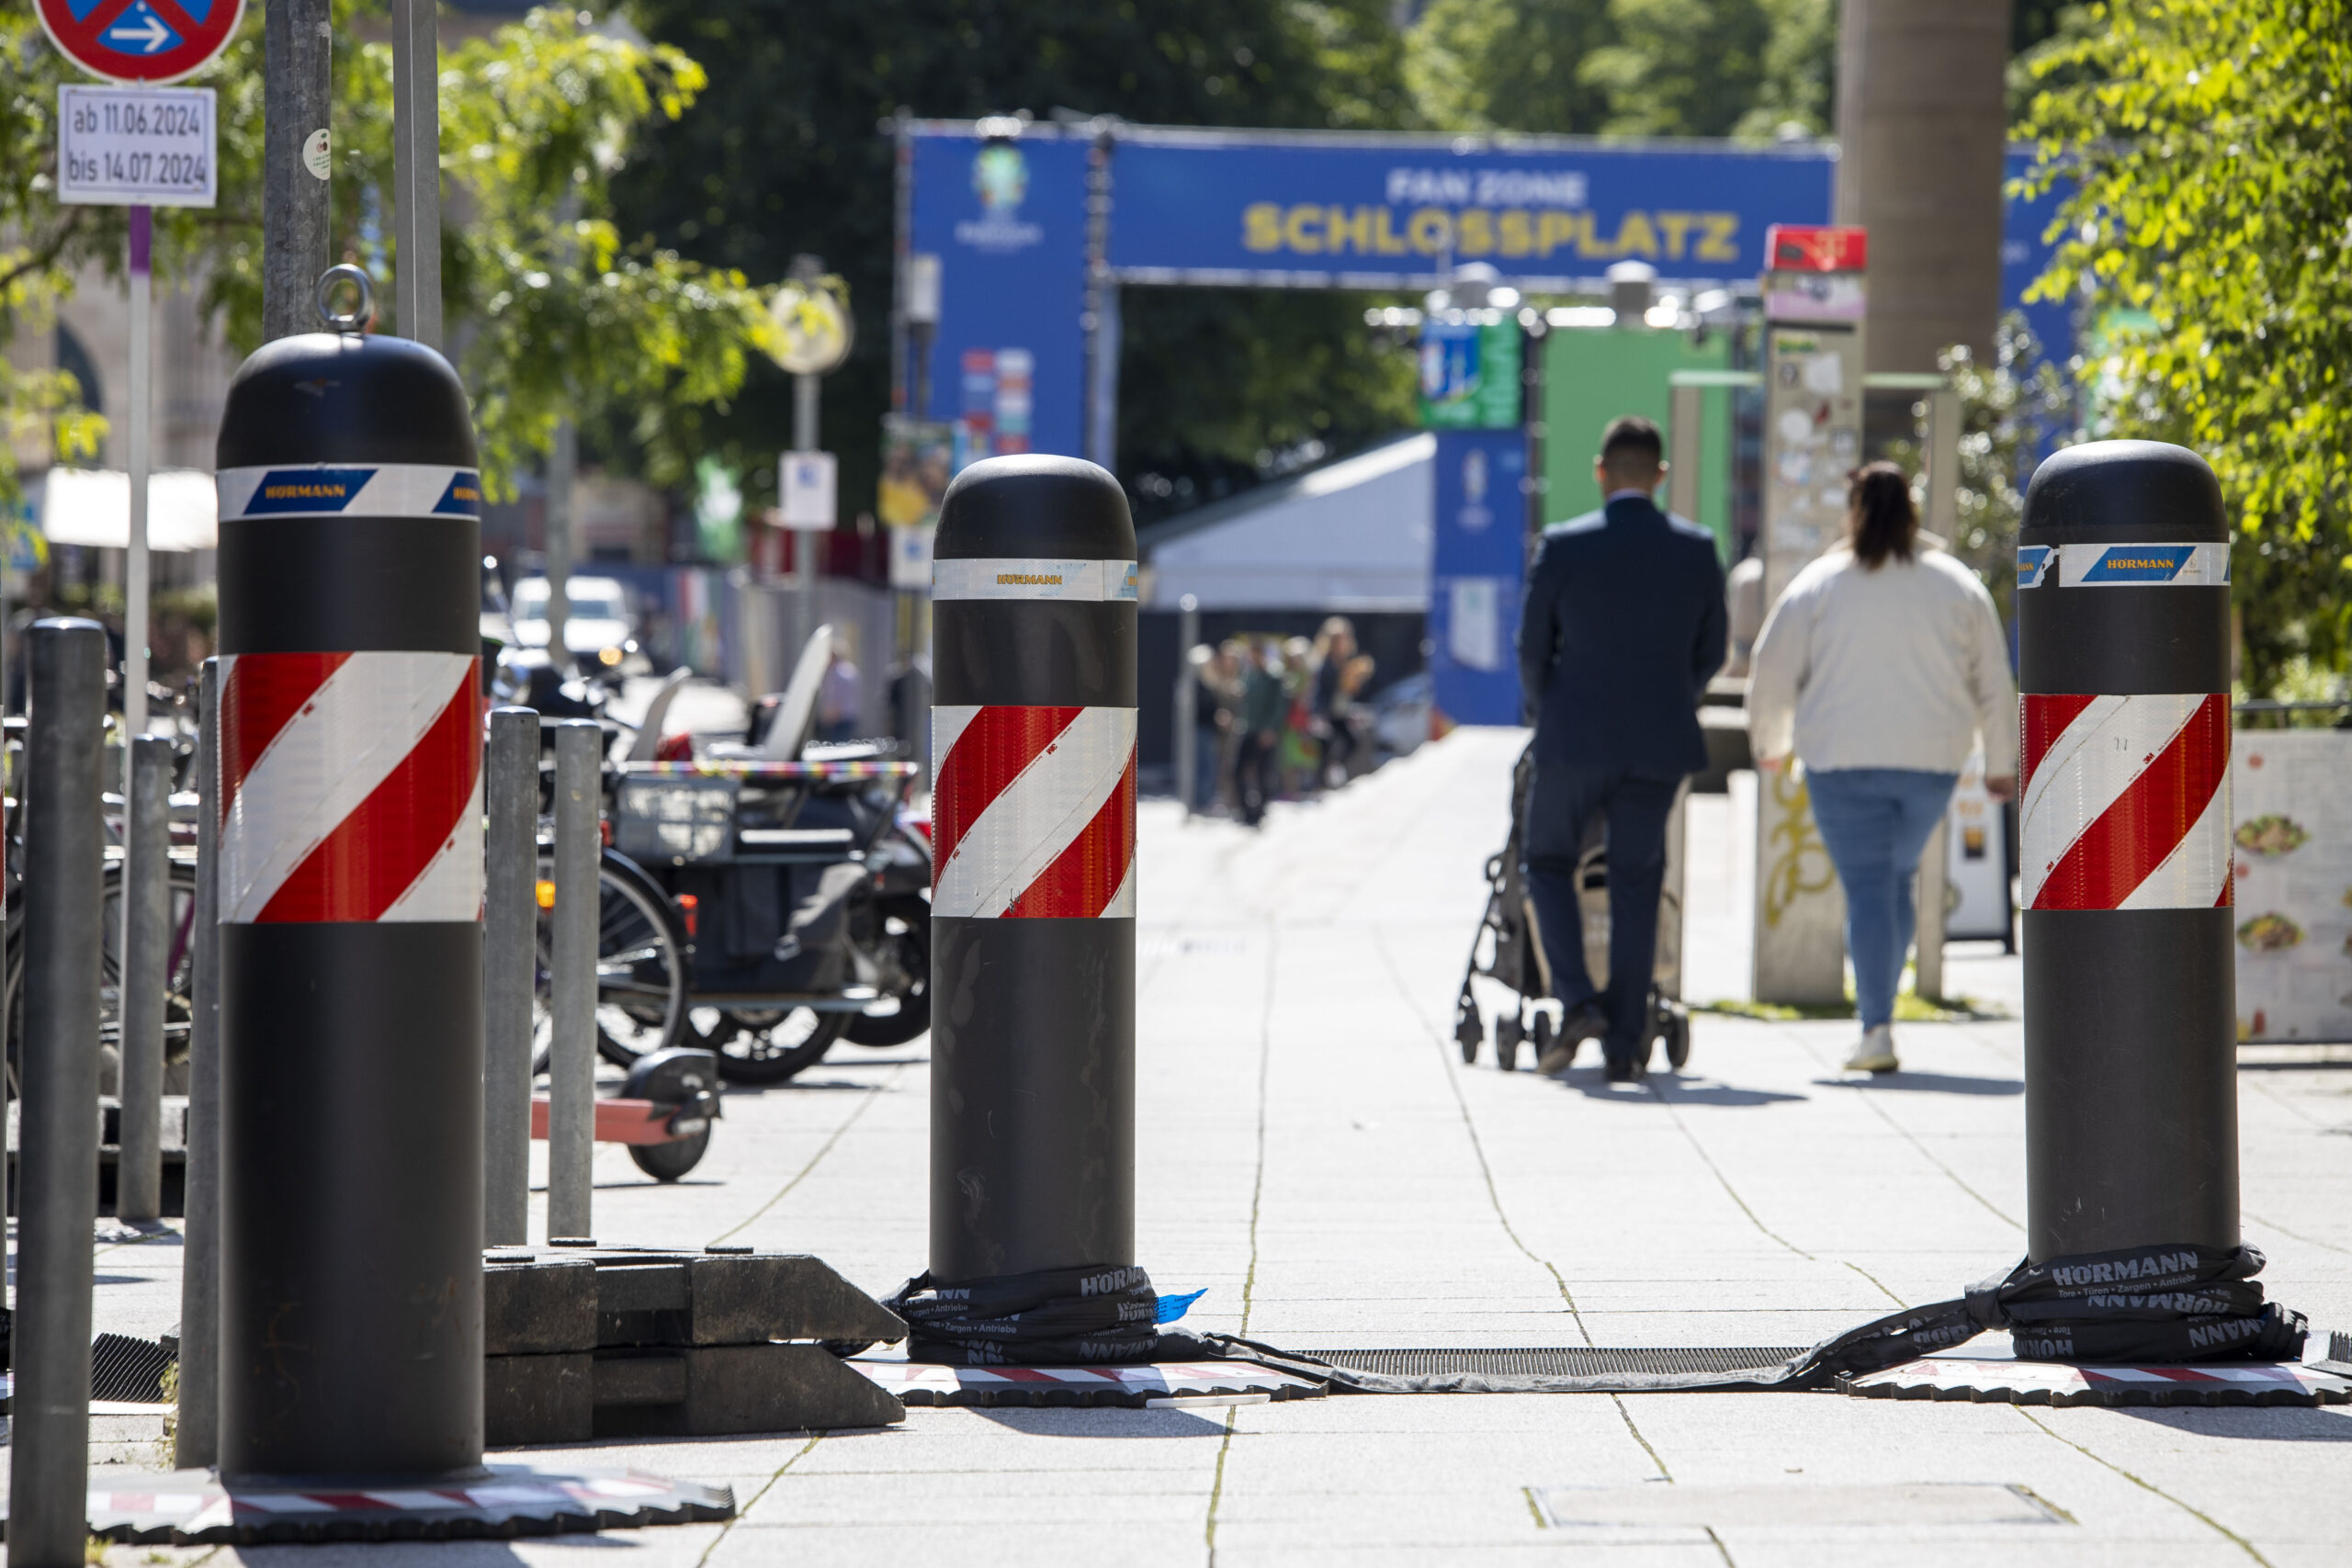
(1506, 948)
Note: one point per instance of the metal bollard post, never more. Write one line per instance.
(58, 1192)
(351, 864)
(2123, 623)
(571, 979)
(1033, 936)
(145, 978)
(510, 962)
(196, 1434)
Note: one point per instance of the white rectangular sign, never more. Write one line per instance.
(2291, 898)
(137, 146)
(808, 484)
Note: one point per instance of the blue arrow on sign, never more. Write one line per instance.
(139, 30)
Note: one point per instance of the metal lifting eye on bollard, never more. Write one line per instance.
(362, 313)
(350, 897)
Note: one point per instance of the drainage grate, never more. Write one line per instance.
(128, 1369)
(1569, 1361)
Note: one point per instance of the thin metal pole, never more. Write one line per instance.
(564, 471)
(805, 542)
(199, 1428)
(417, 169)
(509, 973)
(299, 45)
(50, 1418)
(145, 978)
(142, 404)
(1188, 697)
(571, 980)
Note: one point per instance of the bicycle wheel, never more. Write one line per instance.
(179, 1004)
(905, 928)
(766, 1045)
(640, 967)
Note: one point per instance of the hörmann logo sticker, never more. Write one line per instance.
(1083, 581)
(387, 489)
(2143, 566)
(306, 489)
(2033, 564)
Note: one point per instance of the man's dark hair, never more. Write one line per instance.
(1632, 442)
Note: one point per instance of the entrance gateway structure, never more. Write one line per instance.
(1015, 240)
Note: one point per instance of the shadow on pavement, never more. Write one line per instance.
(1105, 1422)
(1928, 1083)
(2267, 1424)
(1593, 1084)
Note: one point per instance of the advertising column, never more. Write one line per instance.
(1812, 439)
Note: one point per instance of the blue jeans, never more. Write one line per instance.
(1875, 822)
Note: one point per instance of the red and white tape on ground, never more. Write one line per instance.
(2127, 802)
(1033, 814)
(351, 787)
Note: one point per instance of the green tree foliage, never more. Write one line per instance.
(550, 312)
(1626, 67)
(2208, 144)
(2010, 406)
(785, 156)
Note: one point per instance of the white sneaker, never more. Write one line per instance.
(1875, 1054)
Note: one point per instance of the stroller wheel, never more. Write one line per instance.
(1509, 1032)
(1540, 1035)
(1468, 1030)
(1675, 1031)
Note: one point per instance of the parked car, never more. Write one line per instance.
(597, 624)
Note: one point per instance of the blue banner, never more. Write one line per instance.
(1008, 222)
(1205, 208)
(1477, 571)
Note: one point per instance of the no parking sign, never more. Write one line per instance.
(144, 41)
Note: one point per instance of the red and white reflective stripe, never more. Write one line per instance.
(2127, 802)
(1034, 812)
(350, 787)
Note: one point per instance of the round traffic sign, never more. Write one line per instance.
(143, 41)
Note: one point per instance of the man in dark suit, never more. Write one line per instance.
(1624, 627)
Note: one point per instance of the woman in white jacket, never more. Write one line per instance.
(1880, 666)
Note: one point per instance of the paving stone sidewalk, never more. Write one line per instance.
(1315, 1154)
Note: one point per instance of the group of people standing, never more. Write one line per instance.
(1279, 718)
(1880, 668)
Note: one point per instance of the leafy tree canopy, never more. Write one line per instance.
(1627, 67)
(2207, 145)
(550, 310)
(785, 155)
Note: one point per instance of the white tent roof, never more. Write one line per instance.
(92, 506)
(1352, 535)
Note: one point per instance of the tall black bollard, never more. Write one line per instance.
(1032, 902)
(350, 890)
(2123, 633)
(58, 1191)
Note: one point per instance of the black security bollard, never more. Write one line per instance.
(2123, 633)
(350, 893)
(1033, 903)
(49, 1419)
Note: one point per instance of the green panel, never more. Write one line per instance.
(1593, 375)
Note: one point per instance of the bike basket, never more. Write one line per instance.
(674, 819)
